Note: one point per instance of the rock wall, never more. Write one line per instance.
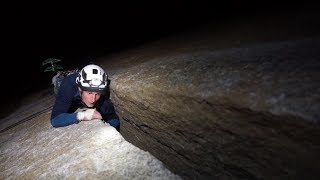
(213, 110)
(88, 150)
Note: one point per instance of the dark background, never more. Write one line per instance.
(77, 33)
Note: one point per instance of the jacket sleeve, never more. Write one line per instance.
(107, 110)
(60, 115)
(64, 119)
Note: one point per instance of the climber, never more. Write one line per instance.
(89, 89)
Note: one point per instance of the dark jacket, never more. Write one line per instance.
(68, 100)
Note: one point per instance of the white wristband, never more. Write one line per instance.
(85, 115)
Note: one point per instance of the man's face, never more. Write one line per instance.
(90, 98)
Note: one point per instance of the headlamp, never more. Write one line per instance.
(95, 82)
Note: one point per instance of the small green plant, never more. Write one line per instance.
(56, 71)
(53, 66)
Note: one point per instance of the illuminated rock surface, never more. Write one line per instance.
(238, 102)
(88, 150)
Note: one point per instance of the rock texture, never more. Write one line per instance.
(248, 111)
(88, 150)
(30, 106)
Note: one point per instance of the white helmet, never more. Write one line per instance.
(92, 78)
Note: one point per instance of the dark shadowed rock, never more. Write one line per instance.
(208, 111)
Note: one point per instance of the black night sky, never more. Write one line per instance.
(77, 33)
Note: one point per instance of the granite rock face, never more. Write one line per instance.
(247, 112)
(236, 101)
(88, 150)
